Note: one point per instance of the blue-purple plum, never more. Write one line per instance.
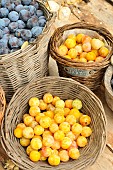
(1, 33)
(4, 41)
(18, 33)
(36, 31)
(26, 2)
(26, 7)
(13, 16)
(7, 21)
(16, 2)
(19, 7)
(20, 42)
(32, 10)
(21, 24)
(10, 6)
(6, 30)
(39, 13)
(6, 36)
(3, 12)
(35, 4)
(24, 15)
(2, 24)
(42, 22)
(42, 17)
(13, 26)
(13, 42)
(31, 40)
(32, 22)
(26, 35)
(3, 2)
(3, 49)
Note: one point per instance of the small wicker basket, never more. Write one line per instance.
(21, 67)
(108, 88)
(65, 88)
(2, 103)
(89, 74)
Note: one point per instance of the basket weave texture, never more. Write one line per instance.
(21, 67)
(108, 88)
(2, 103)
(89, 74)
(65, 88)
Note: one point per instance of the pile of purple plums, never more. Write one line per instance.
(20, 21)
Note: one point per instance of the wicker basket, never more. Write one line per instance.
(2, 103)
(108, 88)
(22, 66)
(89, 74)
(65, 88)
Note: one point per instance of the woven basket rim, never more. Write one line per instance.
(107, 78)
(81, 25)
(51, 15)
(4, 139)
(2, 101)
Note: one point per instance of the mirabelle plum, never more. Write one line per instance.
(76, 128)
(34, 110)
(71, 119)
(18, 132)
(54, 160)
(64, 156)
(56, 145)
(62, 50)
(77, 104)
(78, 49)
(66, 111)
(28, 119)
(34, 156)
(50, 107)
(36, 143)
(46, 151)
(83, 60)
(28, 132)
(76, 113)
(42, 158)
(24, 142)
(48, 140)
(33, 124)
(79, 38)
(65, 127)
(42, 105)
(59, 135)
(91, 56)
(59, 111)
(70, 43)
(56, 98)
(49, 114)
(70, 135)
(25, 115)
(67, 56)
(82, 141)
(99, 59)
(39, 116)
(59, 118)
(28, 150)
(103, 51)
(38, 130)
(68, 103)
(95, 52)
(86, 47)
(72, 53)
(34, 101)
(48, 98)
(66, 143)
(54, 151)
(45, 121)
(46, 133)
(74, 153)
(21, 125)
(72, 36)
(86, 38)
(60, 104)
(83, 55)
(85, 120)
(73, 145)
(37, 136)
(54, 127)
(86, 131)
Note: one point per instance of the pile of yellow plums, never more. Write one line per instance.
(83, 48)
(54, 129)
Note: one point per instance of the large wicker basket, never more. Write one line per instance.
(108, 88)
(2, 103)
(65, 88)
(89, 74)
(22, 66)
